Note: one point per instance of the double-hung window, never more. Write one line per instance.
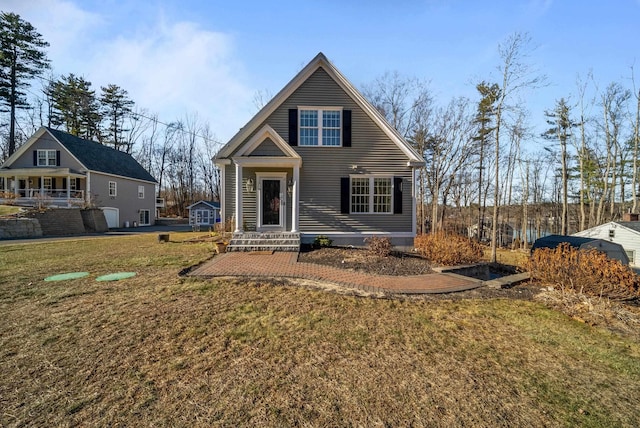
(140, 192)
(320, 126)
(113, 188)
(371, 195)
(46, 158)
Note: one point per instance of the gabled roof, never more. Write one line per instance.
(264, 133)
(321, 61)
(213, 204)
(93, 156)
(97, 157)
(631, 225)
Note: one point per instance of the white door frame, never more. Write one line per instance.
(282, 177)
(208, 215)
(117, 212)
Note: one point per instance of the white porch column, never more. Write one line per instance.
(69, 190)
(87, 192)
(15, 185)
(238, 198)
(295, 200)
(414, 219)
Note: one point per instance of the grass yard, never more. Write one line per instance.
(159, 350)
(8, 210)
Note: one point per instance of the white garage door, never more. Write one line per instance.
(112, 215)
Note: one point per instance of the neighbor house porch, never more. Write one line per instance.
(39, 187)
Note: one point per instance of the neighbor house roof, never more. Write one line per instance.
(633, 225)
(97, 157)
(212, 204)
(321, 61)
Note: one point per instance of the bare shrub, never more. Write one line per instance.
(380, 247)
(448, 249)
(583, 271)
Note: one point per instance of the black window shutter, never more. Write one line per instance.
(77, 184)
(397, 195)
(57, 157)
(346, 128)
(293, 126)
(344, 195)
(35, 158)
(64, 183)
(39, 182)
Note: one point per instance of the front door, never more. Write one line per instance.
(271, 203)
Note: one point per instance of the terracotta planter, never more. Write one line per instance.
(221, 247)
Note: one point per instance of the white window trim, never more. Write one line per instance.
(115, 188)
(371, 178)
(47, 157)
(44, 181)
(140, 192)
(140, 218)
(319, 109)
(282, 176)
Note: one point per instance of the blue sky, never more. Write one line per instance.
(178, 57)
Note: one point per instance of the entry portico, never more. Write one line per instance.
(267, 171)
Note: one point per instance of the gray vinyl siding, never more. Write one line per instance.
(249, 212)
(126, 199)
(267, 148)
(47, 142)
(322, 167)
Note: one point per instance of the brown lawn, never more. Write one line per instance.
(159, 350)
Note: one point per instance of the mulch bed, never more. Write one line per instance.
(402, 264)
(359, 259)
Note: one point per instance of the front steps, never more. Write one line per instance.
(265, 241)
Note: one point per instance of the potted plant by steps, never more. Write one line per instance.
(221, 247)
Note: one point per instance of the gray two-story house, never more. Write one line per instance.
(319, 159)
(56, 169)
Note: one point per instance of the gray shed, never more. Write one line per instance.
(611, 249)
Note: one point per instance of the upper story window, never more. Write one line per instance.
(320, 127)
(140, 192)
(46, 158)
(113, 188)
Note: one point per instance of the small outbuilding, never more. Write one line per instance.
(204, 213)
(611, 249)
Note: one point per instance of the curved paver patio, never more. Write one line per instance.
(286, 265)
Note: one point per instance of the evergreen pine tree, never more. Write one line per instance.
(22, 57)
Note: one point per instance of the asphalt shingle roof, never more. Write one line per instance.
(97, 157)
(633, 225)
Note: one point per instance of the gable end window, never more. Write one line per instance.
(47, 158)
(140, 192)
(320, 127)
(113, 188)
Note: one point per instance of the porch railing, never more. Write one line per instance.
(35, 197)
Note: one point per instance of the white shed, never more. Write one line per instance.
(625, 233)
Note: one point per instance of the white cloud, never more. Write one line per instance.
(177, 69)
(65, 26)
(169, 68)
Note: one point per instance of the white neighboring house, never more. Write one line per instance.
(625, 233)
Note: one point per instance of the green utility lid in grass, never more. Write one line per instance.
(66, 276)
(116, 276)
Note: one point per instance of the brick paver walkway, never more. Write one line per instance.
(286, 265)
